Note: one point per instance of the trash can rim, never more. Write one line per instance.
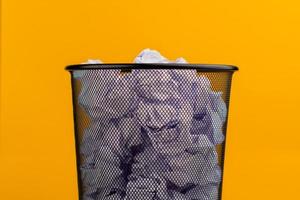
(129, 66)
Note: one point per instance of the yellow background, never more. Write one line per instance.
(40, 37)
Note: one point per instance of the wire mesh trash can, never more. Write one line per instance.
(150, 131)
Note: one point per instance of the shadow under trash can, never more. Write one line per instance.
(150, 131)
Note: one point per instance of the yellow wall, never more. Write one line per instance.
(40, 37)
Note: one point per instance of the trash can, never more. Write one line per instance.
(150, 131)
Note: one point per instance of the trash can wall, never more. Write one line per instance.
(150, 131)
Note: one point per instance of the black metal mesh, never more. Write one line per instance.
(150, 134)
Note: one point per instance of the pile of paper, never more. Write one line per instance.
(153, 133)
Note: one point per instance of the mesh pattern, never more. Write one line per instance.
(150, 134)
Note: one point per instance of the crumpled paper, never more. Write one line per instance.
(152, 133)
